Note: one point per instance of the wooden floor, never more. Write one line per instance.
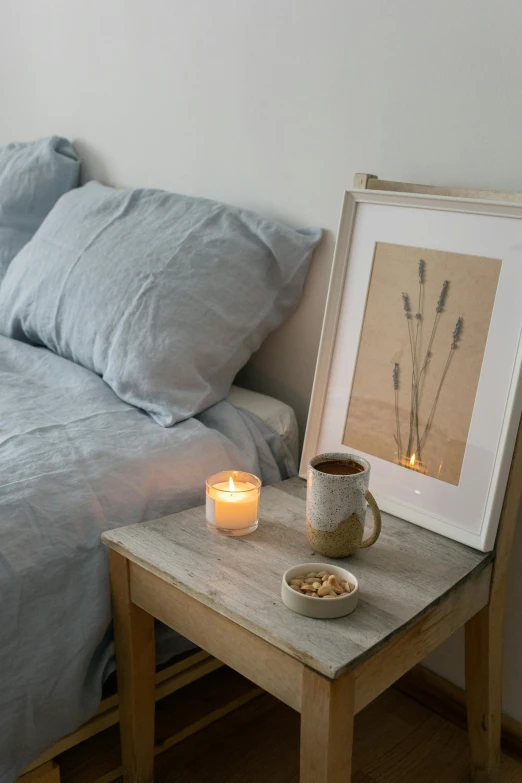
(396, 741)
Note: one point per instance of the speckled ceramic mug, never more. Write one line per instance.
(336, 507)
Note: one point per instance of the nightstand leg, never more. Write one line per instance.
(135, 661)
(327, 714)
(484, 649)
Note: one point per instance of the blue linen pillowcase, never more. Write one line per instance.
(33, 176)
(165, 296)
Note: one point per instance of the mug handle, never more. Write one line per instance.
(376, 522)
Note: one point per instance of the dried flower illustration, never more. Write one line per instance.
(442, 297)
(454, 339)
(440, 307)
(419, 364)
(456, 332)
(395, 375)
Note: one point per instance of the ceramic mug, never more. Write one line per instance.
(336, 507)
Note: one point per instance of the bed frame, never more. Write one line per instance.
(184, 671)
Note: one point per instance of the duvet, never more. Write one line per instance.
(74, 461)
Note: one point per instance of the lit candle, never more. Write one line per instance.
(233, 503)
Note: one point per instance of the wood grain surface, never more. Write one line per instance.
(186, 668)
(406, 573)
(396, 740)
(45, 773)
(98, 760)
(327, 717)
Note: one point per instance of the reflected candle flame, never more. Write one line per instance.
(412, 463)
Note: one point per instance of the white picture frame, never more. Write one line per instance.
(468, 512)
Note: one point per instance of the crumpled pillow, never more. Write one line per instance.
(165, 296)
(33, 176)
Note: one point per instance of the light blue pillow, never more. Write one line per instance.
(164, 296)
(33, 176)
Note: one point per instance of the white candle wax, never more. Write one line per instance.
(234, 508)
(233, 503)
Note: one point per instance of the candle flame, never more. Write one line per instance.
(231, 485)
(412, 460)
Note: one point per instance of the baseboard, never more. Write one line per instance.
(449, 701)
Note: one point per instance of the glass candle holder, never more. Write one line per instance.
(233, 503)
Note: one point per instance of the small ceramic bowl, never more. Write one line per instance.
(319, 608)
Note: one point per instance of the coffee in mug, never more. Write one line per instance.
(338, 467)
(336, 501)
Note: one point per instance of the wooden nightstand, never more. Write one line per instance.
(224, 594)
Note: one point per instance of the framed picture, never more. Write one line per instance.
(420, 356)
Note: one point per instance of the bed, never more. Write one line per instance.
(74, 461)
(124, 317)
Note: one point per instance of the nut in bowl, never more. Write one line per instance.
(320, 590)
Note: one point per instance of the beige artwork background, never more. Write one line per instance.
(371, 422)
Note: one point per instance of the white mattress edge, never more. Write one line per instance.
(277, 415)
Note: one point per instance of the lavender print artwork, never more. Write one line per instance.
(411, 454)
(424, 332)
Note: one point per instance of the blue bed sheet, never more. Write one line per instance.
(74, 461)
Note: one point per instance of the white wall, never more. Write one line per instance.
(273, 105)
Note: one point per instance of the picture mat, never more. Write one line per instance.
(387, 337)
(468, 513)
